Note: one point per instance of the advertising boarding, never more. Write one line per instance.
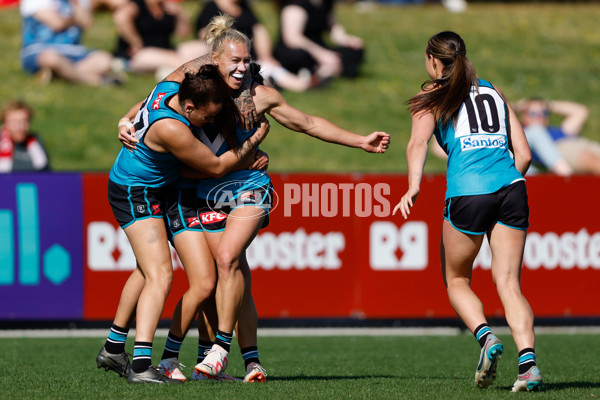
(332, 249)
(41, 246)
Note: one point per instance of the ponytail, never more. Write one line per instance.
(444, 96)
(220, 31)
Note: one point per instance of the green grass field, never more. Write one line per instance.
(362, 367)
(549, 50)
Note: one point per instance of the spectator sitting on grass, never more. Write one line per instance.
(581, 155)
(147, 30)
(51, 43)
(311, 38)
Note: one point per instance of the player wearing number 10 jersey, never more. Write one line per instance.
(488, 156)
(479, 161)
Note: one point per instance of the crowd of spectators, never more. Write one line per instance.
(153, 37)
(156, 36)
(310, 49)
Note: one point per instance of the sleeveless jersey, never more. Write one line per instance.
(234, 182)
(479, 161)
(144, 166)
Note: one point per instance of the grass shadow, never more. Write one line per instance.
(328, 378)
(359, 377)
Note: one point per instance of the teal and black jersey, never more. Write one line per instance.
(235, 182)
(476, 142)
(144, 166)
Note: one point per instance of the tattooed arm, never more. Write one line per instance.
(191, 66)
(243, 100)
(246, 107)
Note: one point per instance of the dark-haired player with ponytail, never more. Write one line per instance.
(167, 126)
(486, 195)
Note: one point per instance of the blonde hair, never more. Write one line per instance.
(220, 31)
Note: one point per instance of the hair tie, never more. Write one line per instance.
(457, 52)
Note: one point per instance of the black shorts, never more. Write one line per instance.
(132, 203)
(475, 215)
(181, 211)
(213, 214)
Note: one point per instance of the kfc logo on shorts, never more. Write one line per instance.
(156, 102)
(155, 209)
(193, 221)
(212, 217)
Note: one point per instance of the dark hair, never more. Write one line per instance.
(444, 96)
(207, 86)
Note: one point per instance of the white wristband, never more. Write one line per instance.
(125, 122)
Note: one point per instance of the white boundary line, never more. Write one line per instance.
(301, 332)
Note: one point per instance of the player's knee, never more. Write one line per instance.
(160, 279)
(226, 259)
(202, 291)
(457, 281)
(507, 286)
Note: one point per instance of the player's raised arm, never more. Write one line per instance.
(275, 105)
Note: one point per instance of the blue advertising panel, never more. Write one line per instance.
(41, 261)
